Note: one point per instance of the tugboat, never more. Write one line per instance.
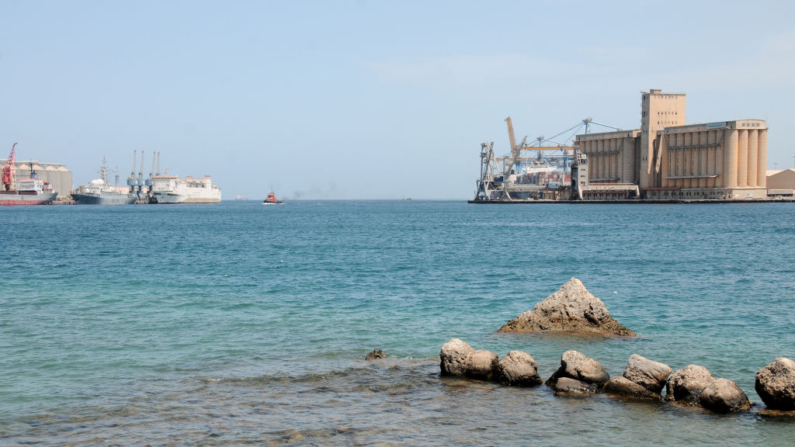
(272, 200)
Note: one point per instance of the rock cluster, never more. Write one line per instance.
(695, 385)
(517, 368)
(775, 384)
(642, 379)
(578, 374)
(571, 309)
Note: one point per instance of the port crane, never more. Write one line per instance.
(8, 169)
(492, 185)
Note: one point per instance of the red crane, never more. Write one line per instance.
(8, 169)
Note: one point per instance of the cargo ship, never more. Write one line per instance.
(172, 189)
(30, 191)
(99, 192)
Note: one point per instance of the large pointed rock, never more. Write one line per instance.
(571, 309)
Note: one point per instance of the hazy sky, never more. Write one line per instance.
(369, 99)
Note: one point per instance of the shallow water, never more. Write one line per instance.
(237, 323)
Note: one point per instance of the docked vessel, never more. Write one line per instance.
(272, 200)
(172, 189)
(99, 192)
(30, 191)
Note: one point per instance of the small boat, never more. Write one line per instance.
(272, 200)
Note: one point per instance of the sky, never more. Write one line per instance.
(355, 99)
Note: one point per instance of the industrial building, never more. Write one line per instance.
(59, 177)
(669, 160)
(781, 183)
(665, 159)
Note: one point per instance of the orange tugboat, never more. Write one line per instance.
(272, 200)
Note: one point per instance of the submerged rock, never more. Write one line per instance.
(571, 309)
(566, 385)
(375, 354)
(775, 384)
(687, 384)
(574, 365)
(518, 369)
(620, 385)
(724, 396)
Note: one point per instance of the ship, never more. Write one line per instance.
(30, 191)
(272, 200)
(172, 189)
(99, 191)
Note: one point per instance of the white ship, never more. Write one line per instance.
(172, 189)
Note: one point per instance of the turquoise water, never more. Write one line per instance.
(237, 323)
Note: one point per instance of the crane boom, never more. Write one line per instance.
(510, 133)
(8, 169)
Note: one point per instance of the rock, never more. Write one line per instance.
(580, 367)
(578, 374)
(724, 396)
(459, 359)
(775, 384)
(649, 374)
(453, 357)
(518, 369)
(686, 385)
(571, 309)
(622, 386)
(375, 354)
(565, 385)
(481, 364)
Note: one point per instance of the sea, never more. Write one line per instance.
(242, 324)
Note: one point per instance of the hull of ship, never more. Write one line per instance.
(104, 199)
(32, 199)
(170, 198)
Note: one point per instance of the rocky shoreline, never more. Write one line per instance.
(573, 309)
(642, 379)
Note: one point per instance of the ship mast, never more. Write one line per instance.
(103, 171)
